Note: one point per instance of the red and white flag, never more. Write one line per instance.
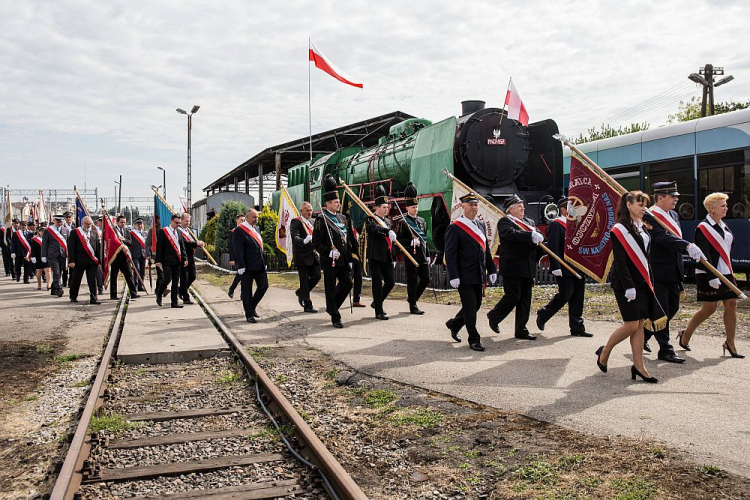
(516, 109)
(322, 62)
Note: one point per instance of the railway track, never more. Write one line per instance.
(215, 428)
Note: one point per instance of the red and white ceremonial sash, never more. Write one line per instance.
(25, 243)
(38, 240)
(637, 257)
(175, 246)
(247, 228)
(470, 228)
(86, 245)
(720, 244)
(667, 219)
(561, 220)
(135, 233)
(521, 223)
(306, 224)
(59, 238)
(186, 235)
(387, 237)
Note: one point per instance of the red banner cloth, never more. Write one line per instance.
(593, 206)
(112, 245)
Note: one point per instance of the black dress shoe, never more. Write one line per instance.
(582, 334)
(251, 320)
(415, 310)
(539, 323)
(188, 301)
(495, 327)
(158, 300)
(381, 316)
(476, 347)
(310, 309)
(177, 306)
(646, 347)
(60, 293)
(337, 324)
(165, 292)
(255, 315)
(671, 357)
(74, 300)
(113, 297)
(526, 336)
(634, 371)
(454, 333)
(230, 293)
(299, 299)
(134, 295)
(94, 302)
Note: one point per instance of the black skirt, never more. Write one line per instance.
(637, 309)
(708, 294)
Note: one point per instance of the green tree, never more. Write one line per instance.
(225, 223)
(691, 110)
(607, 131)
(208, 233)
(267, 220)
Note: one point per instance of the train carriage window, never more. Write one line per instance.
(628, 177)
(727, 172)
(679, 170)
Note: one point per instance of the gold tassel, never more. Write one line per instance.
(657, 325)
(683, 295)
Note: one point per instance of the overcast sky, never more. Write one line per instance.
(97, 83)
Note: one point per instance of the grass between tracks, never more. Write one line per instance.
(600, 301)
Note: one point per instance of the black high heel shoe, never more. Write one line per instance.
(679, 341)
(634, 371)
(726, 348)
(599, 355)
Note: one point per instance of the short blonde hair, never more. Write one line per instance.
(714, 199)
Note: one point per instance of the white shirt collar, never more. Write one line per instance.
(714, 223)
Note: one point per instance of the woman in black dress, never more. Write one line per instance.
(36, 256)
(715, 240)
(632, 284)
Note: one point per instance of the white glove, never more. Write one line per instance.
(351, 266)
(455, 282)
(714, 283)
(33, 260)
(394, 264)
(493, 278)
(415, 242)
(695, 252)
(12, 256)
(630, 294)
(391, 236)
(44, 259)
(241, 271)
(307, 239)
(334, 254)
(536, 237)
(557, 272)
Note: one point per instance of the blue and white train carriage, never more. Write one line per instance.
(704, 156)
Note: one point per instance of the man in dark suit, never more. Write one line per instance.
(666, 262)
(518, 241)
(170, 258)
(65, 230)
(21, 249)
(412, 235)
(333, 240)
(188, 274)
(570, 290)
(469, 261)
(138, 250)
(82, 259)
(251, 263)
(305, 258)
(239, 219)
(11, 231)
(54, 253)
(380, 238)
(5, 249)
(120, 262)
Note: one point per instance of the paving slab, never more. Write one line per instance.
(700, 407)
(156, 335)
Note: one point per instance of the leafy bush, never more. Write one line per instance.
(225, 223)
(208, 233)
(267, 220)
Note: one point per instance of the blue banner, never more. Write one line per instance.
(162, 213)
(81, 211)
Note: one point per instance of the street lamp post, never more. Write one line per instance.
(189, 128)
(119, 194)
(164, 181)
(705, 78)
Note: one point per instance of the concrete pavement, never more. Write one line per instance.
(700, 407)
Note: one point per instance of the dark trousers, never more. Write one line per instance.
(12, 265)
(170, 275)
(7, 261)
(57, 264)
(120, 265)
(570, 290)
(23, 269)
(187, 276)
(357, 275)
(250, 299)
(236, 281)
(309, 276)
(382, 283)
(337, 282)
(668, 295)
(139, 264)
(76, 276)
(99, 279)
(517, 296)
(65, 276)
(471, 301)
(417, 279)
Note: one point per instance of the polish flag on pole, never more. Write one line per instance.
(322, 62)
(516, 109)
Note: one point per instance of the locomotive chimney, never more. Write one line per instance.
(470, 107)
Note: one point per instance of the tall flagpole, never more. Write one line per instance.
(309, 98)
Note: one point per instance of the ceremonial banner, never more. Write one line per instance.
(488, 214)
(112, 243)
(591, 216)
(287, 212)
(81, 211)
(325, 64)
(516, 109)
